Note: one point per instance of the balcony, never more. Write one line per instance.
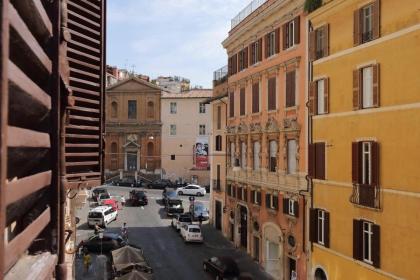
(217, 185)
(366, 195)
(254, 5)
(220, 76)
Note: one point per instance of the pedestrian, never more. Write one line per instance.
(87, 261)
(124, 232)
(97, 229)
(200, 219)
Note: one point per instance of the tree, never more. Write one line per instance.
(312, 5)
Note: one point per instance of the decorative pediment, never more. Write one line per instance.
(272, 125)
(131, 141)
(291, 124)
(255, 127)
(242, 128)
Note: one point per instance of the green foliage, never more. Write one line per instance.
(312, 5)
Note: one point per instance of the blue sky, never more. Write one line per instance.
(170, 37)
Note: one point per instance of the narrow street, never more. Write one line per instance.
(169, 256)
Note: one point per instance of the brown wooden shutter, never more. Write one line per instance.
(252, 198)
(312, 98)
(356, 90)
(356, 159)
(313, 225)
(296, 208)
(320, 161)
(311, 160)
(312, 46)
(326, 95)
(375, 163)
(255, 98)
(267, 200)
(376, 89)
(259, 197)
(356, 28)
(357, 240)
(277, 40)
(327, 230)
(245, 194)
(285, 205)
(297, 30)
(285, 35)
(290, 89)
(266, 45)
(276, 202)
(376, 20)
(242, 101)
(326, 42)
(230, 66)
(376, 245)
(251, 53)
(272, 93)
(245, 57)
(231, 104)
(260, 48)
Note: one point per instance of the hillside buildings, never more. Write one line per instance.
(186, 126)
(173, 84)
(364, 145)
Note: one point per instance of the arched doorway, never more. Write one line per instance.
(320, 274)
(273, 250)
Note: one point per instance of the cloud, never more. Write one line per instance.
(170, 37)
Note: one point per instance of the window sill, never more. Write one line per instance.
(272, 211)
(291, 108)
(292, 48)
(273, 56)
(242, 117)
(273, 111)
(256, 64)
(256, 114)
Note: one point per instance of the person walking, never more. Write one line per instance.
(124, 232)
(200, 219)
(97, 229)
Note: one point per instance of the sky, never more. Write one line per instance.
(170, 37)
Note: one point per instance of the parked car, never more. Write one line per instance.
(138, 198)
(174, 206)
(180, 220)
(221, 267)
(128, 182)
(198, 209)
(109, 242)
(96, 192)
(191, 190)
(102, 197)
(207, 188)
(101, 216)
(191, 233)
(160, 184)
(168, 193)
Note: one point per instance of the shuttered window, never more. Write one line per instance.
(255, 50)
(272, 201)
(256, 197)
(365, 163)
(319, 97)
(255, 98)
(366, 23)
(218, 143)
(366, 242)
(272, 43)
(272, 102)
(243, 59)
(291, 33)
(231, 104)
(219, 117)
(319, 43)
(366, 87)
(290, 207)
(291, 89)
(316, 157)
(319, 231)
(242, 102)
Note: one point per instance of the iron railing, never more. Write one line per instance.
(220, 75)
(366, 195)
(254, 5)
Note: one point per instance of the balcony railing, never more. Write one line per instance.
(216, 185)
(255, 4)
(366, 195)
(220, 75)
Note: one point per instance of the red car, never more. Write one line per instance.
(112, 203)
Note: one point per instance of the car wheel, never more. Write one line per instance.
(132, 185)
(118, 184)
(204, 267)
(180, 193)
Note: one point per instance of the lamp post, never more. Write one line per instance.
(101, 236)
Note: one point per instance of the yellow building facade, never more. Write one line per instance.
(364, 156)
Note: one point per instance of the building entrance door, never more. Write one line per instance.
(131, 161)
(244, 228)
(218, 215)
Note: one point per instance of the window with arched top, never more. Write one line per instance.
(114, 109)
(150, 109)
(150, 149)
(320, 274)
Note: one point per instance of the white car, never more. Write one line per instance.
(191, 233)
(102, 197)
(181, 220)
(191, 190)
(101, 216)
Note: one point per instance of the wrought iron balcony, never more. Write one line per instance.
(220, 75)
(366, 195)
(254, 5)
(216, 185)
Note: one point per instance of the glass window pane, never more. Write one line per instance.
(291, 156)
(320, 97)
(367, 87)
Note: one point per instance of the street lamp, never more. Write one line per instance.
(101, 236)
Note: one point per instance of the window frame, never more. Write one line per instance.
(320, 96)
(132, 115)
(366, 166)
(369, 233)
(255, 51)
(172, 130)
(291, 34)
(366, 34)
(363, 93)
(290, 208)
(173, 108)
(202, 108)
(201, 129)
(321, 226)
(271, 44)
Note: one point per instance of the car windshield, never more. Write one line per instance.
(185, 219)
(104, 196)
(175, 203)
(95, 215)
(171, 194)
(194, 230)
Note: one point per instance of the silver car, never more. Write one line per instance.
(197, 210)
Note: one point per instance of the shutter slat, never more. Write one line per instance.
(355, 163)
(18, 189)
(375, 85)
(357, 241)
(356, 28)
(25, 138)
(376, 245)
(356, 89)
(312, 98)
(297, 30)
(375, 163)
(376, 20)
(327, 230)
(326, 95)
(312, 45)
(88, 11)
(313, 223)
